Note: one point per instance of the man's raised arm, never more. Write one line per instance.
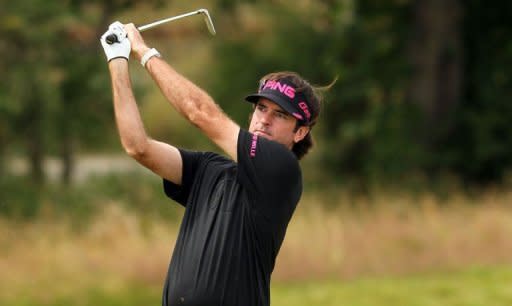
(163, 159)
(187, 98)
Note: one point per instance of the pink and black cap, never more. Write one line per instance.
(283, 93)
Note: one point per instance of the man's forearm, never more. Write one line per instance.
(129, 123)
(187, 98)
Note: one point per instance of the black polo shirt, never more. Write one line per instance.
(235, 220)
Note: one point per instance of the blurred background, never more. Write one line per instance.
(408, 191)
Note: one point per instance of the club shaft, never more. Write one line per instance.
(112, 38)
(159, 22)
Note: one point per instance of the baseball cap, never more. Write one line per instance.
(283, 93)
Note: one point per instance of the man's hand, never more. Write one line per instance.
(119, 49)
(139, 47)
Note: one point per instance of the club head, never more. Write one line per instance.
(207, 20)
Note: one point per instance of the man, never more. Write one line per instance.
(237, 208)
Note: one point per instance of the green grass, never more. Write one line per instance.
(472, 287)
(128, 295)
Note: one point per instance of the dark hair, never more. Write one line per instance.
(314, 100)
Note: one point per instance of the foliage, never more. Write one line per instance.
(366, 123)
(481, 145)
(24, 200)
(373, 128)
(376, 123)
(56, 94)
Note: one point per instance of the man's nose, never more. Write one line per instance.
(266, 118)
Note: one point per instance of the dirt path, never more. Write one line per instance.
(85, 166)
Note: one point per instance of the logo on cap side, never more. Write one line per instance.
(298, 116)
(304, 106)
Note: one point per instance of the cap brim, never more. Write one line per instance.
(276, 99)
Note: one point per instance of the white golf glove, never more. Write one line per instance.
(120, 48)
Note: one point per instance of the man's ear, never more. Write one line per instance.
(301, 132)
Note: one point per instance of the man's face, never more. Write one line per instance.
(270, 121)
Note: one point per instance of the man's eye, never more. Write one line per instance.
(282, 115)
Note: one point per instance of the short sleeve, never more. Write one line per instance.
(269, 171)
(180, 193)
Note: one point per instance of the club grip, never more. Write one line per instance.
(112, 38)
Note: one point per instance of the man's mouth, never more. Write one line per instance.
(261, 133)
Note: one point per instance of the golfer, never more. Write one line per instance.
(237, 207)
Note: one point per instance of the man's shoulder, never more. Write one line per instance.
(213, 161)
(257, 147)
(205, 156)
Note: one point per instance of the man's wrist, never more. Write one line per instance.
(140, 53)
(148, 55)
(118, 63)
(118, 57)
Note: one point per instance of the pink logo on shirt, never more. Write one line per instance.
(253, 145)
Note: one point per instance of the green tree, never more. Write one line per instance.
(480, 147)
(56, 92)
(29, 77)
(423, 85)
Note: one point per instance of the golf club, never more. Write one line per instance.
(112, 38)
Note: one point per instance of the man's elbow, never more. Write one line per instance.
(137, 151)
(203, 116)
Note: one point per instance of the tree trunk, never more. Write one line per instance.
(67, 154)
(2, 153)
(35, 136)
(36, 156)
(435, 53)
